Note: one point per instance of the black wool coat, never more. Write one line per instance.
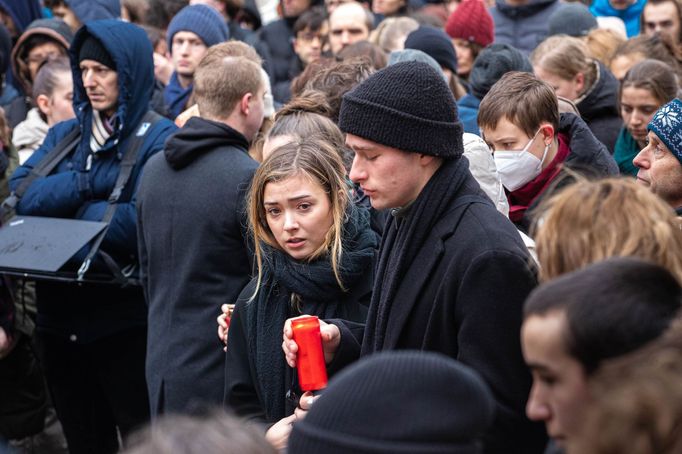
(194, 258)
(462, 296)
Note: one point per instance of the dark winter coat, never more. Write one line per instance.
(523, 27)
(274, 44)
(257, 377)
(72, 192)
(599, 108)
(462, 295)
(193, 256)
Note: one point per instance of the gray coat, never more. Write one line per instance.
(523, 27)
(194, 258)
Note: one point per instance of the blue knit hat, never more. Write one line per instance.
(667, 125)
(203, 21)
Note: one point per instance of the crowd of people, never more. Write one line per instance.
(479, 200)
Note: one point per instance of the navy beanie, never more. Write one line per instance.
(494, 62)
(87, 10)
(92, 49)
(407, 106)
(203, 21)
(667, 125)
(435, 43)
(398, 402)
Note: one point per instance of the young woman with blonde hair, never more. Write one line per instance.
(564, 62)
(593, 220)
(314, 252)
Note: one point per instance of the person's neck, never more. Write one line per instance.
(230, 121)
(551, 153)
(185, 81)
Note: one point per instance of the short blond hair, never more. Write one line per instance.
(227, 72)
(593, 220)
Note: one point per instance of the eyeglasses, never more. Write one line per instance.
(309, 37)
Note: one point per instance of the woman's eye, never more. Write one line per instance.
(273, 211)
(304, 206)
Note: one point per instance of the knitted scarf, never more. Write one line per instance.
(403, 239)
(175, 96)
(625, 151)
(319, 292)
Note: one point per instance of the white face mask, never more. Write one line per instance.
(516, 168)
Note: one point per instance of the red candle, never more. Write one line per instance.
(312, 372)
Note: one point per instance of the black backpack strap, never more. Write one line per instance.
(126, 169)
(44, 167)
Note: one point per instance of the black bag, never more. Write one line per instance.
(121, 276)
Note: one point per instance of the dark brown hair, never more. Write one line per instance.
(652, 75)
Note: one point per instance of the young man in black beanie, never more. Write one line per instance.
(93, 332)
(453, 272)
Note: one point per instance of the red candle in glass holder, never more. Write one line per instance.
(312, 372)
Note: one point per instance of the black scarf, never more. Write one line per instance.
(319, 292)
(403, 238)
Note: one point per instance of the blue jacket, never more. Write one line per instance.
(70, 191)
(68, 310)
(467, 106)
(630, 15)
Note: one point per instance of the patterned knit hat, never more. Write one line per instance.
(398, 402)
(472, 22)
(203, 21)
(407, 106)
(667, 125)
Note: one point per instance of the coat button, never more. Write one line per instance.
(73, 338)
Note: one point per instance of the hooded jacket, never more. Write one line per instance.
(598, 108)
(192, 247)
(522, 27)
(71, 191)
(87, 10)
(629, 15)
(22, 12)
(54, 29)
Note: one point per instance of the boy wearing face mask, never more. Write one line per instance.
(533, 144)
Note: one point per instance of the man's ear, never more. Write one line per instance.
(244, 104)
(580, 81)
(43, 103)
(426, 159)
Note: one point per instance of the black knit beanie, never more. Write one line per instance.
(435, 43)
(406, 106)
(398, 402)
(492, 63)
(92, 49)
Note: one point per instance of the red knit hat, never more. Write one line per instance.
(471, 21)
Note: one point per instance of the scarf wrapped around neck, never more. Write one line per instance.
(175, 96)
(319, 292)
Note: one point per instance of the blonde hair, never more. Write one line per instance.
(602, 43)
(593, 220)
(566, 57)
(315, 158)
(638, 402)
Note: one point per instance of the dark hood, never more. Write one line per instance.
(602, 98)
(588, 155)
(198, 137)
(530, 9)
(22, 12)
(87, 10)
(55, 29)
(132, 51)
